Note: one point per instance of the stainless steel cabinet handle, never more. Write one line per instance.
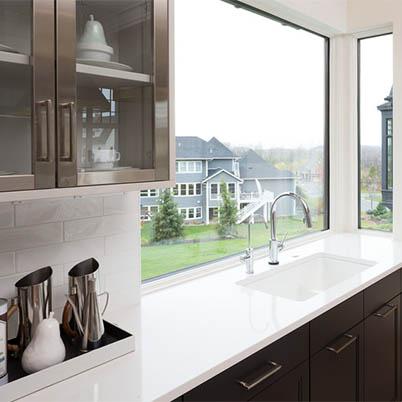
(67, 131)
(385, 311)
(253, 380)
(340, 345)
(44, 132)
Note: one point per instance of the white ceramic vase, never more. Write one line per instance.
(46, 348)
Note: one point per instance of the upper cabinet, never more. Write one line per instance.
(85, 93)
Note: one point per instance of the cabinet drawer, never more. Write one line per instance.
(382, 353)
(257, 371)
(381, 292)
(330, 325)
(291, 387)
(336, 372)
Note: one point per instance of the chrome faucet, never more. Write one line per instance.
(275, 246)
(248, 257)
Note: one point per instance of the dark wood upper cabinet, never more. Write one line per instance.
(337, 370)
(382, 343)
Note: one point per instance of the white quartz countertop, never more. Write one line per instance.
(188, 333)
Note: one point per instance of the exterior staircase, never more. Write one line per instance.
(265, 198)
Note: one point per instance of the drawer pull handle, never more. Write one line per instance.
(385, 311)
(264, 374)
(337, 347)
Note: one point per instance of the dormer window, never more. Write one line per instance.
(189, 167)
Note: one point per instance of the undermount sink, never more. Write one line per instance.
(304, 278)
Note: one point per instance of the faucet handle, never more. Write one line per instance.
(282, 243)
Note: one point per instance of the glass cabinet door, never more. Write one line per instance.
(26, 94)
(112, 129)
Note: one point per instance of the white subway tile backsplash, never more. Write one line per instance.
(6, 215)
(31, 236)
(7, 264)
(119, 204)
(119, 262)
(120, 243)
(95, 227)
(57, 210)
(7, 286)
(58, 275)
(58, 253)
(59, 296)
(62, 232)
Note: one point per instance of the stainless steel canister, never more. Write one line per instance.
(34, 303)
(78, 282)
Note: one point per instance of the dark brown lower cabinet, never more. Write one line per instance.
(294, 386)
(382, 358)
(336, 372)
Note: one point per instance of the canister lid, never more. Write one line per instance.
(3, 306)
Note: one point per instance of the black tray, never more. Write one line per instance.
(112, 334)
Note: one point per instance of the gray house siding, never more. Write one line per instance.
(218, 179)
(226, 164)
(214, 157)
(149, 201)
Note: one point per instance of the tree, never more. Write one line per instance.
(227, 214)
(167, 223)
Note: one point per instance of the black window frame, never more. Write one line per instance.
(326, 129)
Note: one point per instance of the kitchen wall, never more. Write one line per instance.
(364, 14)
(61, 232)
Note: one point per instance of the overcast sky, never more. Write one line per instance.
(376, 83)
(251, 81)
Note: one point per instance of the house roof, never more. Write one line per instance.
(253, 166)
(197, 148)
(215, 172)
(388, 105)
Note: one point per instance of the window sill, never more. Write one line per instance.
(221, 265)
(373, 232)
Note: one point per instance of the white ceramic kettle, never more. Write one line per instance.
(46, 348)
(93, 45)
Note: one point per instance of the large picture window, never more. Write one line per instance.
(376, 132)
(251, 123)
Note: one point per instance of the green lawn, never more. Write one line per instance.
(159, 259)
(369, 222)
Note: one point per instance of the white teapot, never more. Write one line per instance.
(46, 348)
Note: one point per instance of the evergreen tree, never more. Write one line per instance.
(167, 223)
(227, 214)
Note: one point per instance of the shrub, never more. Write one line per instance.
(167, 223)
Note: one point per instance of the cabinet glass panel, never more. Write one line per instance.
(15, 88)
(114, 90)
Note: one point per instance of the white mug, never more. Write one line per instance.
(106, 156)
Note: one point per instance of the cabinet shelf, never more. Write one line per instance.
(101, 77)
(14, 58)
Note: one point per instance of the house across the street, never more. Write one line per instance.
(202, 166)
